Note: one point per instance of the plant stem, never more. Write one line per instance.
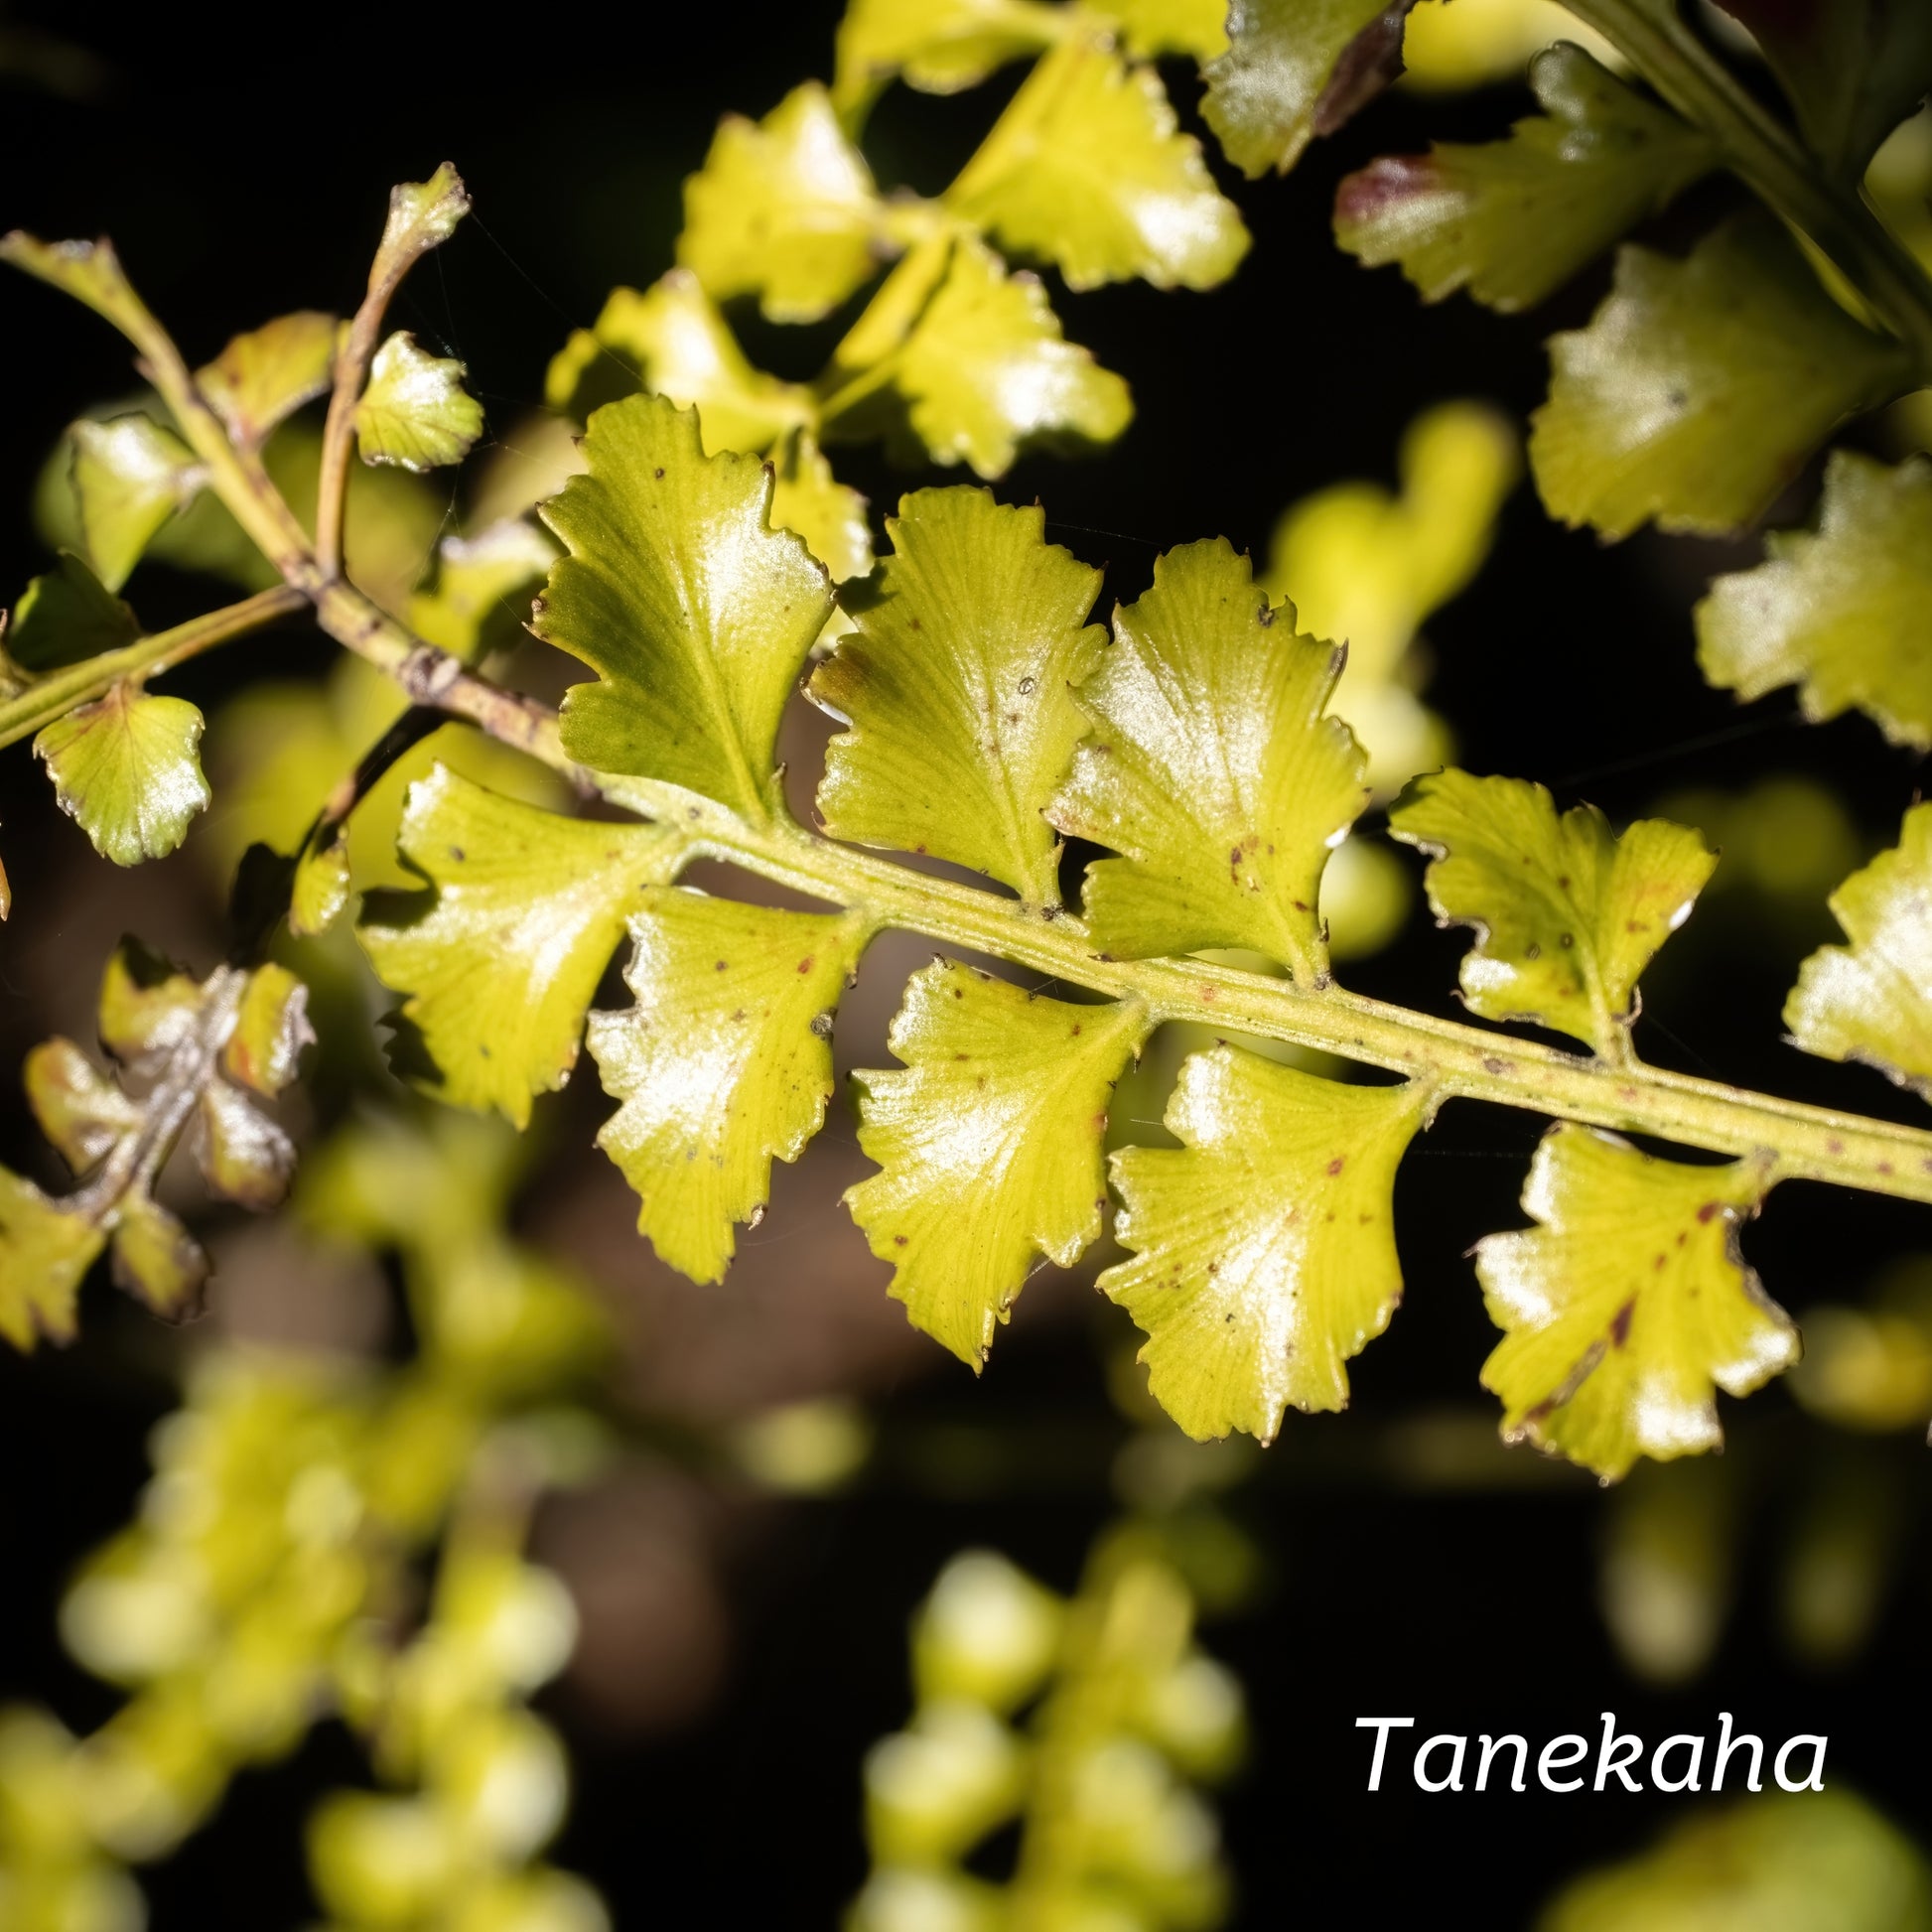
(1769, 159)
(55, 694)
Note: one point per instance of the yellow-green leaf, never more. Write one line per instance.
(148, 1006)
(1152, 28)
(723, 1063)
(953, 684)
(1872, 1000)
(1702, 385)
(423, 215)
(695, 612)
(415, 411)
(1296, 68)
(785, 209)
(672, 342)
(320, 888)
(1628, 1305)
(271, 372)
(270, 1031)
(990, 1141)
(45, 1251)
(1845, 612)
(155, 1260)
(127, 770)
(1087, 169)
(89, 271)
(1568, 913)
(830, 516)
(1211, 767)
(243, 1155)
(1512, 220)
(64, 615)
(1263, 1249)
(941, 47)
(129, 477)
(500, 957)
(83, 1113)
(480, 598)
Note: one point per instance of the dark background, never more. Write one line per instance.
(239, 157)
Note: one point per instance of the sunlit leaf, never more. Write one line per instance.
(785, 209)
(1702, 385)
(415, 411)
(1512, 220)
(1296, 68)
(127, 770)
(1152, 28)
(1568, 913)
(1872, 1000)
(480, 598)
(983, 373)
(45, 1251)
(500, 957)
(270, 1031)
(695, 612)
(320, 888)
(1852, 69)
(1628, 1306)
(723, 1063)
(940, 45)
(1845, 612)
(1263, 1250)
(954, 688)
(129, 477)
(1087, 169)
(1211, 767)
(155, 1260)
(271, 372)
(64, 615)
(671, 340)
(989, 1140)
(830, 516)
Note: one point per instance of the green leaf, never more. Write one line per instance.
(696, 613)
(45, 1251)
(148, 1006)
(1567, 912)
(723, 1063)
(243, 1155)
(88, 271)
(127, 770)
(270, 1031)
(1702, 385)
(1626, 1304)
(1296, 68)
(990, 1144)
(1843, 612)
(65, 616)
(320, 889)
(939, 47)
(954, 683)
(1852, 69)
(1871, 1000)
(271, 372)
(1087, 169)
(808, 498)
(1263, 1249)
(1152, 28)
(500, 957)
(480, 598)
(78, 1109)
(1211, 769)
(1512, 220)
(129, 477)
(155, 1260)
(983, 373)
(785, 209)
(415, 412)
(672, 342)
(423, 215)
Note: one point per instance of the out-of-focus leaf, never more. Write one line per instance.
(88, 271)
(1152, 28)
(953, 686)
(1628, 1305)
(1296, 68)
(1263, 1250)
(415, 411)
(44, 1250)
(785, 209)
(989, 1140)
(64, 615)
(938, 45)
(1845, 612)
(481, 597)
(1512, 220)
(1566, 912)
(155, 1260)
(1211, 767)
(808, 498)
(1872, 1000)
(127, 770)
(1088, 170)
(129, 477)
(671, 340)
(243, 1155)
(1452, 46)
(1852, 69)
(695, 612)
(423, 215)
(82, 1113)
(1702, 385)
(723, 1063)
(271, 372)
(270, 1031)
(500, 957)
(148, 1004)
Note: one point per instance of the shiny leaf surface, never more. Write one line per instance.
(415, 412)
(830, 516)
(938, 45)
(129, 477)
(127, 770)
